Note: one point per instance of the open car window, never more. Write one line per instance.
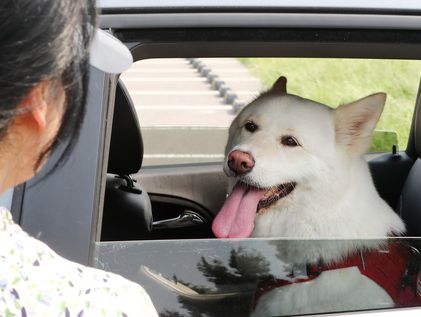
(185, 106)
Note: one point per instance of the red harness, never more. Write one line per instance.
(395, 269)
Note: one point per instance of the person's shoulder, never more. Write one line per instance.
(42, 283)
(116, 291)
(108, 294)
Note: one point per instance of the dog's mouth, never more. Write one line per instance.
(274, 194)
(237, 215)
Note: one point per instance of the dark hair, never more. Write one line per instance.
(46, 40)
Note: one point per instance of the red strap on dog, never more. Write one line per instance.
(388, 268)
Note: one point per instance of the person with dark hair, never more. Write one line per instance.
(44, 61)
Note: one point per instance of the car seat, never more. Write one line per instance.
(127, 213)
(410, 200)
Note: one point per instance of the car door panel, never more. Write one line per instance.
(184, 198)
(204, 184)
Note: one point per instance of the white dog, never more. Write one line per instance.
(300, 173)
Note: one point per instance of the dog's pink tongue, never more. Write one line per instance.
(236, 218)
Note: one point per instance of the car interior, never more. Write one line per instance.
(131, 213)
(158, 203)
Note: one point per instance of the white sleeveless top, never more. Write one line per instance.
(35, 281)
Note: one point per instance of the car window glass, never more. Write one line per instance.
(185, 106)
(235, 278)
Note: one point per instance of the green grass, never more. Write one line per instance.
(338, 81)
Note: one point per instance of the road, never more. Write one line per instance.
(184, 118)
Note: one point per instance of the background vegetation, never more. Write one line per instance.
(338, 81)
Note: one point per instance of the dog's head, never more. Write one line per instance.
(281, 144)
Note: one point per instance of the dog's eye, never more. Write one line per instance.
(250, 126)
(289, 140)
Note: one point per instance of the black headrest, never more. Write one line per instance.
(417, 123)
(126, 147)
(410, 202)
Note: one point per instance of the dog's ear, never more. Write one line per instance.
(280, 86)
(355, 122)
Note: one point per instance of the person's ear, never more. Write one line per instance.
(34, 108)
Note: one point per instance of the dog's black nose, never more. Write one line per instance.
(240, 162)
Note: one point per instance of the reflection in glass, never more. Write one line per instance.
(268, 277)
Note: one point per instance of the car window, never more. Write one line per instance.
(184, 108)
(235, 278)
(188, 104)
(177, 105)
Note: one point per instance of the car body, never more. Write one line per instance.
(65, 209)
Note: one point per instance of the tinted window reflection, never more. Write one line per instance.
(249, 277)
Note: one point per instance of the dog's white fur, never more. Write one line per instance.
(334, 197)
